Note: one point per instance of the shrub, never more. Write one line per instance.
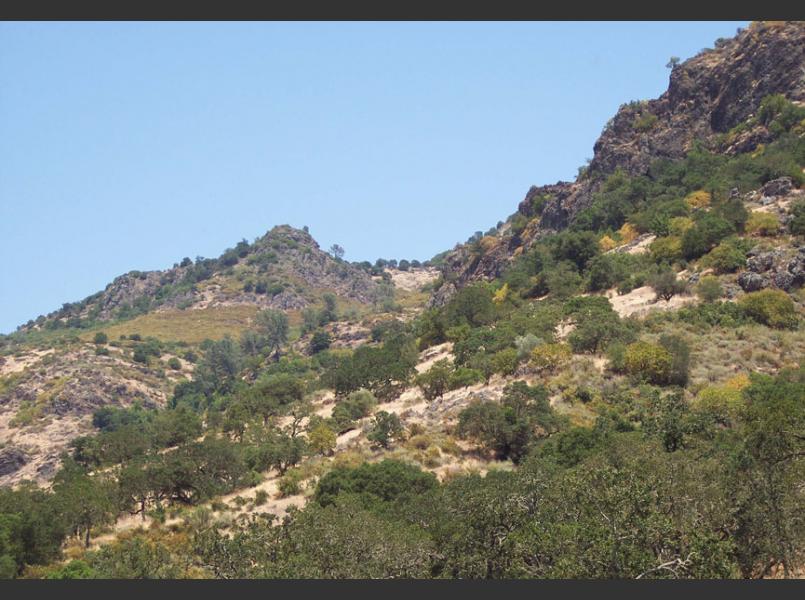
(666, 249)
(387, 481)
(290, 483)
(140, 355)
(100, 338)
(725, 258)
(260, 497)
(763, 223)
(698, 199)
(797, 223)
(320, 341)
(679, 350)
(709, 289)
(770, 307)
(464, 376)
(649, 362)
(101, 351)
(679, 225)
(174, 363)
(606, 243)
(525, 344)
(645, 122)
(549, 357)
(704, 235)
(628, 233)
(356, 406)
(505, 362)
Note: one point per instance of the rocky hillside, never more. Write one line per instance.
(711, 99)
(284, 269)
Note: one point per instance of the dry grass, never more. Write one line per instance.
(191, 326)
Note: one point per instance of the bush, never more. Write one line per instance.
(763, 223)
(140, 355)
(770, 307)
(356, 406)
(525, 344)
(320, 341)
(260, 497)
(649, 362)
(505, 362)
(797, 223)
(101, 351)
(666, 249)
(549, 357)
(698, 199)
(174, 363)
(709, 289)
(704, 235)
(100, 338)
(680, 359)
(725, 258)
(387, 481)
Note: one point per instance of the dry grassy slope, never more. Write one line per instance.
(48, 394)
(50, 401)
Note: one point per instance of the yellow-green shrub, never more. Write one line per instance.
(648, 361)
(698, 199)
(666, 249)
(763, 223)
(770, 307)
(549, 357)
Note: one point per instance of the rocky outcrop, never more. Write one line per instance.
(707, 96)
(774, 268)
(11, 460)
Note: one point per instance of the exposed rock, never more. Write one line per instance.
(752, 282)
(777, 187)
(11, 460)
(760, 263)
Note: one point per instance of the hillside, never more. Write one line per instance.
(609, 385)
(710, 104)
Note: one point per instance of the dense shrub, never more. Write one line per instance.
(770, 307)
(763, 223)
(648, 361)
(550, 357)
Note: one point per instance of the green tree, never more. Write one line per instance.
(273, 324)
(386, 429)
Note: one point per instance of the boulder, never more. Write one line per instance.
(752, 282)
(777, 187)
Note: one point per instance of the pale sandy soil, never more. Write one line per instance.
(638, 246)
(413, 280)
(15, 364)
(434, 354)
(640, 301)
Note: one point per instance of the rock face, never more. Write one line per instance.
(707, 95)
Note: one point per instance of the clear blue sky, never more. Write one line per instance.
(131, 145)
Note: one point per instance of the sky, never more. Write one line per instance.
(132, 145)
